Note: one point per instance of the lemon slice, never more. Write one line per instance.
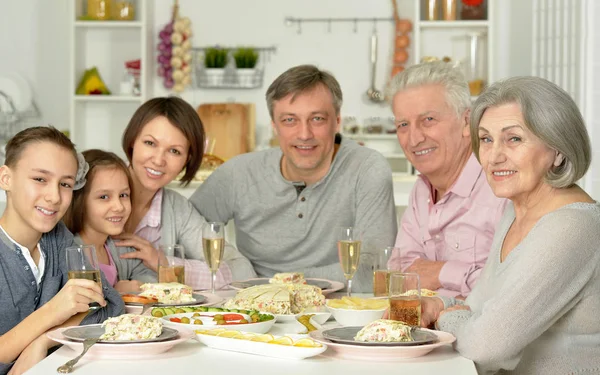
(307, 343)
(285, 340)
(211, 332)
(263, 338)
(231, 334)
(246, 336)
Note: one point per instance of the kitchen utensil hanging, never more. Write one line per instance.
(373, 94)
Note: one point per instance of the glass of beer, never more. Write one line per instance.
(82, 263)
(405, 298)
(381, 271)
(349, 242)
(213, 243)
(171, 268)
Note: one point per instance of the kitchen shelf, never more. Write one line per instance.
(453, 24)
(108, 24)
(107, 98)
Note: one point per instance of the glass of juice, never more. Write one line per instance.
(82, 263)
(405, 298)
(349, 242)
(381, 271)
(171, 268)
(213, 244)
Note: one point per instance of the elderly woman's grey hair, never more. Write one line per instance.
(434, 73)
(550, 114)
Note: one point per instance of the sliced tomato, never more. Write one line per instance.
(175, 320)
(229, 317)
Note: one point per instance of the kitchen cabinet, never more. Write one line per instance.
(98, 121)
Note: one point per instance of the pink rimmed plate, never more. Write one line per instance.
(381, 353)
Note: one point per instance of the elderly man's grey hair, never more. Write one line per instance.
(432, 73)
(550, 114)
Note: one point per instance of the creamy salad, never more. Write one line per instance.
(130, 327)
(384, 330)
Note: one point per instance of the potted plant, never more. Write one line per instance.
(215, 59)
(245, 63)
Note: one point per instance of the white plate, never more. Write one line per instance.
(17, 87)
(134, 351)
(211, 300)
(381, 353)
(209, 323)
(261, 348)
(92, 331)
(327, 286)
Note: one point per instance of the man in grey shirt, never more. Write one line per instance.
(289, 203)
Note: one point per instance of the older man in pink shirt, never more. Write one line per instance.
(447, 229)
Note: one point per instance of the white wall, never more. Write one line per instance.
(34, 42)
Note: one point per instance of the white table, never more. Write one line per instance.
(193, 356)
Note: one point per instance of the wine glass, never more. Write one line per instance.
(349, 242)
(82, 263)
(213, 243)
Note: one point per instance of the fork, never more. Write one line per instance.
(68, 367)
(147, 307)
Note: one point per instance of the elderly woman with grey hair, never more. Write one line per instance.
(534, 308)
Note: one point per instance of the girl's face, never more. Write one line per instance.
(108, 204)
(159, 154)
(39, 187)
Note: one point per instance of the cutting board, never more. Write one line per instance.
(230, 128)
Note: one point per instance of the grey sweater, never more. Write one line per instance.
(19, 294)
(536, 312)
(281, 230)
(182, 224)
(127, 269)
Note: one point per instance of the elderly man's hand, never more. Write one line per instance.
(429, 272)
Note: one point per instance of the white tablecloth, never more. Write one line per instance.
(194, 357)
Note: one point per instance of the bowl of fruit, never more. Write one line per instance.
(207, 318)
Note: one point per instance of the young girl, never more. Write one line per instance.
(99, 211)
(39, 175)
(165, 137)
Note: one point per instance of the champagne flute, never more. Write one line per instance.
(213, 243)
(82, 263)
(349, 242)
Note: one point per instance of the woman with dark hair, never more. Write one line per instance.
(164, 138)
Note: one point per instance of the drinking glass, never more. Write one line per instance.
(349, 243)
(213, 243)
(82, 263)
(170, 264)
(405, 298)
(381, 271)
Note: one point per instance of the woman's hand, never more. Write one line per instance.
(145, 251)
(430, 310)
(74, 298)
(455, 308)
(127, 286)
(31, 355)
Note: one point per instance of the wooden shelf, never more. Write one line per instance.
(107, 98)
(453, 24)
(108, 24)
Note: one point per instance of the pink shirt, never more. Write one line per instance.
(109, 270)
(458, 229)
(149, 226)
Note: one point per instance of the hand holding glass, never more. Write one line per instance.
(405, 298)
(82, 263)
(349, 242)
(170, 270)
(213, 243)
